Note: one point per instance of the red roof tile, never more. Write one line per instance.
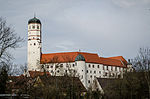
(37, 73)
(89, 58)
(119, 58)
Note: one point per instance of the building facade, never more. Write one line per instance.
(84, 65)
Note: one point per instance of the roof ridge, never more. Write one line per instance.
(69, 52)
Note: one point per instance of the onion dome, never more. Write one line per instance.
(79, 58)
(34, 20)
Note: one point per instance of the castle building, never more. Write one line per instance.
(84, 65)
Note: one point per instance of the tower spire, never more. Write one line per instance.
(34, 14)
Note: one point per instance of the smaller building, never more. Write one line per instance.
(42, 85)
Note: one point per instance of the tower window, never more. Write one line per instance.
(34, 43)
(33, 27)
(37, 27)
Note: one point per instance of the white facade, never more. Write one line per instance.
(34, 46)
(79, 68)
(85, 71)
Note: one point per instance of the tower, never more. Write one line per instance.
(34, 44)
(81, 69)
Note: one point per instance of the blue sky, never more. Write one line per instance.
(107, 27)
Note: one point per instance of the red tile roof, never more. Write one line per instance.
(37, 73)
(89, 58)
(119, 58)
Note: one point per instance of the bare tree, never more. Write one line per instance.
(8, 40)
(142, 64)
(15, 69)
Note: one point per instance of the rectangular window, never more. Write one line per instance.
(97, 66)
(73, 65)
(88, 81)
(82, 77)
(61, 65)
(93, 66)
(66, 71)
(94, 72)
(89, 65)
(87, 71)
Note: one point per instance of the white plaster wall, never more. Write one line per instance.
(85, 76)
(34, 46)
(81, 70)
